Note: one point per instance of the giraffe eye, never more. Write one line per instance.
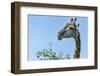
(71, 28)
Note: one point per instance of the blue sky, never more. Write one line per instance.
(43, 30)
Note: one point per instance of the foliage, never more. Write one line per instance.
(49, 54)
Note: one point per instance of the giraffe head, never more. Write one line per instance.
(70, 30)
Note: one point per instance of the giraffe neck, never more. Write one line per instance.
(77, 49)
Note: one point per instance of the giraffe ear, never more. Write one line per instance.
(78, 25)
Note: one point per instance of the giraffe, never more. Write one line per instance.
(71, 30)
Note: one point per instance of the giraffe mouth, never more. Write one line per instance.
(59, 38)
(60, 34)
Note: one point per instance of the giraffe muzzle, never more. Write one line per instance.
(59, 38)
